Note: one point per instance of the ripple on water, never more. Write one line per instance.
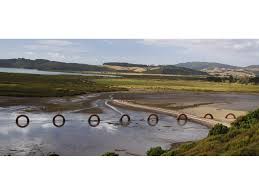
(76, 137)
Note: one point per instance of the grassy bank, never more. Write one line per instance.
(12, 84)
(164, 85)
(242, 138)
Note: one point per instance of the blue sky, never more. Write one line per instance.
(237, 52)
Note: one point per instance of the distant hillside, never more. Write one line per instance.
(170, 69)
(221, 70)
(124, 64)
(152, 69)
(204, 65)
(126, 67)
(252, 66)
(46, 65)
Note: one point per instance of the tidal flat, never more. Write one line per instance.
(76, 137)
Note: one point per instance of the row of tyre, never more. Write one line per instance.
(94, 120)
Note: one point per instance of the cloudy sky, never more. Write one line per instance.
(234, 52)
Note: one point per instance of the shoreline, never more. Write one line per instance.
(203, 121)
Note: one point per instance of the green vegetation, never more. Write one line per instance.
(242, 138)
(218, 129)
(12, 84)
(167, 85)
(48, 85)
(156, 151)
(110, 154)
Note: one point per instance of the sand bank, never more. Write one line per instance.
(191, 117)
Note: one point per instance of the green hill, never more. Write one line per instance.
(242, 138)
(46, 65)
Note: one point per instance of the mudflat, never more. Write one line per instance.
(219, 104)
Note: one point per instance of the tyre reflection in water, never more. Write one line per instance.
(78, 137)
(58, 120)
(22, 121)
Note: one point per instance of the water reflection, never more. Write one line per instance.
(77, 137)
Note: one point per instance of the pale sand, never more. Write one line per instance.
(194, 116)
(218, 113)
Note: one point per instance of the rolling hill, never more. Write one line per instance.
(252, 66)
(204, 65)
(189, 68)
(152, 69)
(46, 65)
(254, 69)
(170, 69)
(222, 70)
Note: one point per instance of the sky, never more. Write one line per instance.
(238, 52)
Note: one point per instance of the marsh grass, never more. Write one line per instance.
(164, 85)
(28, 85)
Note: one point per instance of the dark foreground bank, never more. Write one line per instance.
(241, 139)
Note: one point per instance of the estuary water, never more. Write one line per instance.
(39, 72)
(77, 137)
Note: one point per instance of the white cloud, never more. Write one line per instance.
(152, 51)
(53, 45)
(229, 44)
(54, 42)
(29, 53)
(232, 51)
(56, 56)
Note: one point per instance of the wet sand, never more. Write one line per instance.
(189, 117)
(218, 104)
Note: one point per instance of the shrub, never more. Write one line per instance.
(110, 154)
(247, 121)
(218, 129)
(52, 154)
(156, 151)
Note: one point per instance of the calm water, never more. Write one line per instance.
(39, 72)
(76, 137)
